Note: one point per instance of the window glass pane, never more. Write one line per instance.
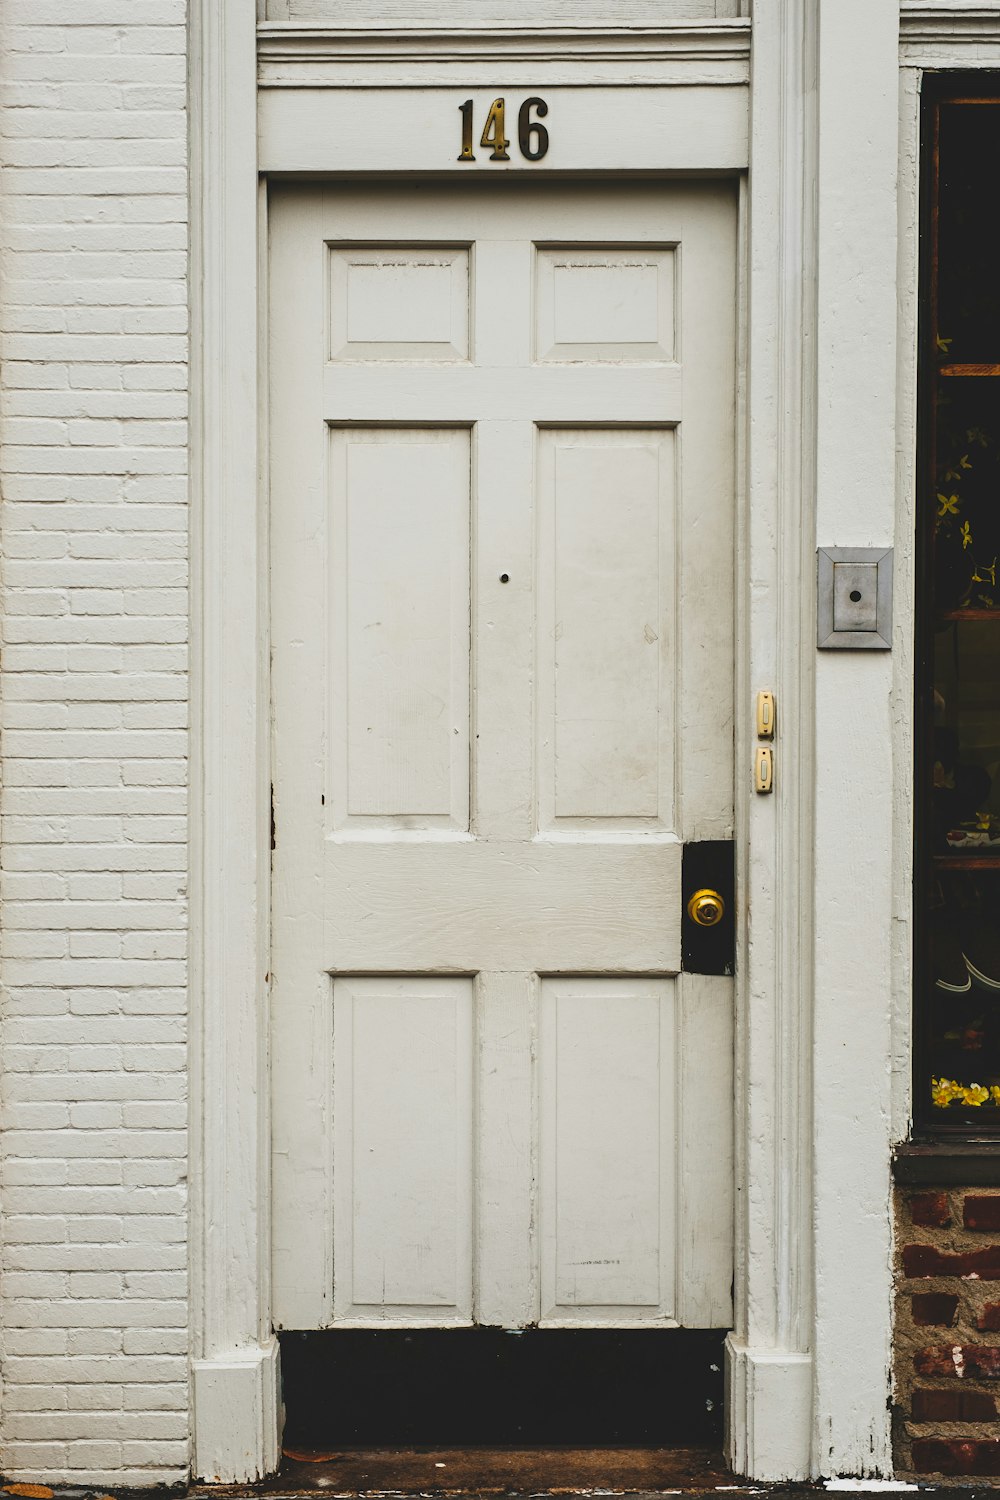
(969, 232)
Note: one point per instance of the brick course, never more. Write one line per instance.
(980, 1212)
(946, 1423)
(938, 1309)
(959, 1456)
(93, 466)
(932, 1210)
(928, 1260)
(952, 1406)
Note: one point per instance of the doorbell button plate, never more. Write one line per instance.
(854, 598)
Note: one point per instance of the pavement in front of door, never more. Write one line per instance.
(514, 1474)
(624, 1473)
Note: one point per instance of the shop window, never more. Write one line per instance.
(957, 886)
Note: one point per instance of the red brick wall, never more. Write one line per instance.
(947, 1339)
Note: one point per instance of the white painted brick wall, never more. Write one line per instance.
(93, 216)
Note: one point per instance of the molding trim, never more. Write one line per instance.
(404, 55)
(768, 1412)
(235, 1415)
(718, 41)
(943, 33)
(908, 257)
(937, 20)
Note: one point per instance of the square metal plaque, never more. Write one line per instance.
(854, 598)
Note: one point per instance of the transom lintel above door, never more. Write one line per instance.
(353, 95)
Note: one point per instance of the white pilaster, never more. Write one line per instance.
(857, 153)
(236, 1400)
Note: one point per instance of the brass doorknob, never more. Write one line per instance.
(706, 908)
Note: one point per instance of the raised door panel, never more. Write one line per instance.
(610, 304)
(399, 303)
(607, 1146)
(402, 1154)
(606, 600)
(399, 624)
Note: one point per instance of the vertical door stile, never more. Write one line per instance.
(705, 654)
(504, 782)
(706, 332)
(704, 1219)
(506, 1273)
(301, 1045)
(503, 628)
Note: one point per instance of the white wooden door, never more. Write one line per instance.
(502, 474)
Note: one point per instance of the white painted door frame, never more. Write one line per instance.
(812, 1098)
(808, 1362)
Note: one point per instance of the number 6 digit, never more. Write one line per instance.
(527, 127)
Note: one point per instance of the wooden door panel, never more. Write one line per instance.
(605, 638)
(502, 468)
(607, 1150)
(604, 304)
(398, 604)
(402, 1149)
(396, 302)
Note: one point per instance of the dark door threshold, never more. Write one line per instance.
(483, 1389)
(499, 1470)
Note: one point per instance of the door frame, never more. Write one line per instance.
(804, 1052)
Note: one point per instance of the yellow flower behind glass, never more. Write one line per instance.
(941, 1092)
(975, 1094)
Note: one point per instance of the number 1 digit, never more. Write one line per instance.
(465, 110)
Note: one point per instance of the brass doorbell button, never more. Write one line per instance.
(765, 716)
(764, 769)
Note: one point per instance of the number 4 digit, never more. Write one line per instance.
(493, 132)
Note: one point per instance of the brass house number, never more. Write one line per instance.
(532, 137)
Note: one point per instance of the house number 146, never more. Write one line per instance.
(532, 138)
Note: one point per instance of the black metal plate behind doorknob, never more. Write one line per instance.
(709, 865)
